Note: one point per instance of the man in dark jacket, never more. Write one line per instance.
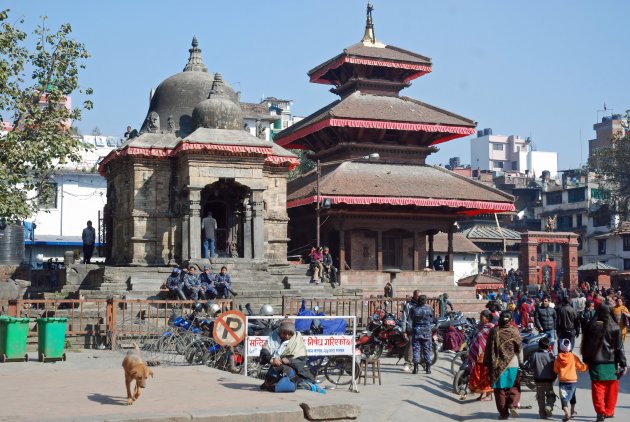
(420, 321)
(545, 319)
(568, 322)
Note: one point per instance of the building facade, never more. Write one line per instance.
(510, 153)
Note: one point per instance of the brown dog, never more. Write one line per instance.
(135, 369)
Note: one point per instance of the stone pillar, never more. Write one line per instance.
(431, 233)
(422, 250)
(247, 229)
(185, 231)
(529, 260)
(450, 249)
(342, 251)
(258, 227)
(416, 255)
(194, 232)
(379, 250)
(570, 263)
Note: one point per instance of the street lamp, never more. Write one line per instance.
(370, 157)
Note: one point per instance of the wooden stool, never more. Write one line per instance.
(376, 370)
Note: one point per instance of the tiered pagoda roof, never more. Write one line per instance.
(371, 117)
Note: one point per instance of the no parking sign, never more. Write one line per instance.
(229, 328)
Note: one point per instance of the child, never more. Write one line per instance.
(542, 366)
(566, 366)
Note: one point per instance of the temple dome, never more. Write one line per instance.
(219, 111)
(176, 97)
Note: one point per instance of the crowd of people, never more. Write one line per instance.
(186, 284)
(496, 352)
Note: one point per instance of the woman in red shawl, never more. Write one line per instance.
(525, 308)
(479, 381)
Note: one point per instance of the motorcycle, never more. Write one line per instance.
(387, 333)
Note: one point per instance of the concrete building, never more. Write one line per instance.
(510, 153)
(605, 130)
(80, 196)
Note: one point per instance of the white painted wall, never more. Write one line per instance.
(464, 265)
(538, 161)
(480, 153)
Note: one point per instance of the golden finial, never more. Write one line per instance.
(368, 36)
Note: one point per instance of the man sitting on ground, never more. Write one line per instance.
(223, 284)
(206, 278)
(174, 284)
(192, 283)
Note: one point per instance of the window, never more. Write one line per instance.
(577, 195)
(392, 251)
(497, 147)
(498, 164)
(626, 264)
(514, 165)
(626, 242)
(599, 194)
(565, 222)
(578, 222)
(554, 198)
(601, 217)
(601, 246)
(48, 198)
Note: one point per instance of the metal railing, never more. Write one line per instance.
(105, 317)
(361, 308)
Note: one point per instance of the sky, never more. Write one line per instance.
(543, 69)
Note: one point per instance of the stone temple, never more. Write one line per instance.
(192, 156)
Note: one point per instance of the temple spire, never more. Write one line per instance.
(368, 36)
(195, 62)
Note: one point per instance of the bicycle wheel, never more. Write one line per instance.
(458, 359)
(338, 370)
(460, 383)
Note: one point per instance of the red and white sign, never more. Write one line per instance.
(229, 328)
(315, 345)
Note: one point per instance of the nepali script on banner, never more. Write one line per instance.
(315, 345)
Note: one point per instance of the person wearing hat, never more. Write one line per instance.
(327, 262)
(286, 352)
(566, 366)
(208, 291)
(175, 285)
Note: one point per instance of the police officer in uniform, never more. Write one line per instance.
(419, 326)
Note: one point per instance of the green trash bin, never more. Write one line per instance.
(51, 338)
(13, 333)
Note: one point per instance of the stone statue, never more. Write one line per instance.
(170, 124)
(260, 130)
(153, 122)
(551, 224)
(233, 250)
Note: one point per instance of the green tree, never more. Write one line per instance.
(611, 168)
(306, 164)
(34, 86)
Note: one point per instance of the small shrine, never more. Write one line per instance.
(193, 157)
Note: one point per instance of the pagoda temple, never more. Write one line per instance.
(380, 215)
(193, 157)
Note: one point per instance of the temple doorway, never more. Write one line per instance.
(227, 200)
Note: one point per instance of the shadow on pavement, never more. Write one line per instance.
(433, 410)
(239, 386)
(435, 392)
(105, 399)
